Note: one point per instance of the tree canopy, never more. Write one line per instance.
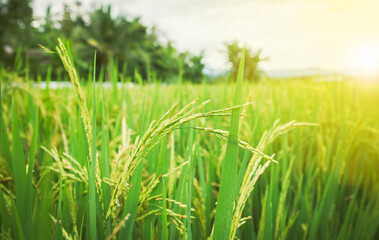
(134, 46)
(252, 60)
(125, 42)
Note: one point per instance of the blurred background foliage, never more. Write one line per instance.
(136, 48)
(125, 40)
(252, 60)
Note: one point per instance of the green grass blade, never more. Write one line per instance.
(209, 199)
(247, 155)
(164, 235)
(5, 225)
(268, 227)
(189, 186)
(180, 192)
(105, 166)
(58, 225)
(92, 173)
(262, 221)
(4, 145)
(282, 198)
(17, 222)
(132, 203)
(153, 204)
(228, 185)
(133, 195)
(29, 181)
(19, 166)
(4, 142)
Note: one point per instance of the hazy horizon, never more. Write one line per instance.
(339, 35)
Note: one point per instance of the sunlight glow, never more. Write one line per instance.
(366, 59)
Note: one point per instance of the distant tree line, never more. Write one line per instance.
(132, 46)
(121, 43)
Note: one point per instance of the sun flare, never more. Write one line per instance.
(366, 59)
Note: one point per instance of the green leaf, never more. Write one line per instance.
(164, 235)
(134, 193)
(180, 192)
(29, 181)
(228, 185)
(5, 225)
(105, 166)
(58, 224)
(19, 232)
(92, 173)
(4, 142)
(153, 204)
(189, 186)
(19, 166)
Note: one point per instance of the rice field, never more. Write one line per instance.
(295, 159)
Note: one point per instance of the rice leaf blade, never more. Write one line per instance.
(29, 183)
(228, 185)
(92, 173)
(19, 166)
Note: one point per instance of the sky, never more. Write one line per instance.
(338, 35)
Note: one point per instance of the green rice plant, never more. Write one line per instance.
(19, 166)
(67, 63)
(189, 183)
(121, 174)
(156, 132)
(4, 146)
(164, 235)
(93, 164)
(29, 192)
(132, 200)
(228, 185)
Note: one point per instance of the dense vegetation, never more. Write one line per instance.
(132, 48)
(147, 162)
(125, 40)
(291, 159)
